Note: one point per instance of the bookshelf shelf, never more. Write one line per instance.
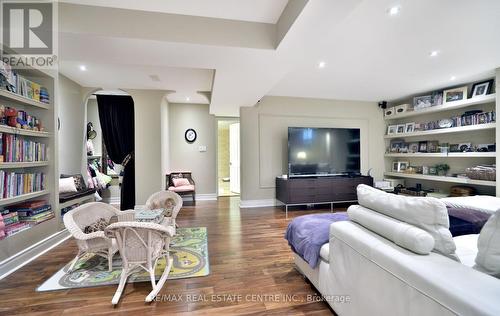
(17, 165)
(440, 178)
(23, 197)
(24, 132)
(20, 99)
(450, 130)
(443, 155)
(490, 98)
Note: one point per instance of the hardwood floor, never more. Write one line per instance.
(251, 273)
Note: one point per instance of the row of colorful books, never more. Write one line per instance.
(13, 183)
(18, 149)
(24, 216)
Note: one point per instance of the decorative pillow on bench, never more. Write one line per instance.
(67, 185)
(179, 182)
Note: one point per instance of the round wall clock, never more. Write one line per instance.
(190, 135)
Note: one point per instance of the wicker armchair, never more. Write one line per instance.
(141, 244)
(97, 243)
(159, 199)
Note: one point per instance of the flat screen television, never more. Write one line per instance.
(323, 151)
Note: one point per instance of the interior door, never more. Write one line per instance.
(234, 158)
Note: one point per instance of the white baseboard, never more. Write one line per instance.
(257, 203)
(29, 254)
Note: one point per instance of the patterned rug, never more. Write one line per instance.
(188, 249)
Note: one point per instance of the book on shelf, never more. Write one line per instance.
(17, 149)
(13, 184)
(16, 228)
(10, 218)
(37, 219)
(26, 212)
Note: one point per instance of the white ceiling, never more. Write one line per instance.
(263, 11)
(369, 55)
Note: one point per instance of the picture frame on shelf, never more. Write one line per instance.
(413, 147)
(437, 98)
(433, 146)
(425, 170)
(422, 102)
(422, 147)
(403, 165)
(482, 88)
(456, 94)
(433, 171)
(465, 147)
(400, 129)
(410, 127)
(395, 166)
(454, 148)
(396, 146)
(392, 129)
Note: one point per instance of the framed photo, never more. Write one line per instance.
(422, 102)
(397, 146)
(403, 165)
(433, 171)
(391, 129)
(465, 147)
(454, 148)
(482, 88)
(425, 170)
(456, 94)
(395, 166)
(413, 147)
(422, 147)
(409, 127)
(400, 129)
(437, 98)
(433, 146)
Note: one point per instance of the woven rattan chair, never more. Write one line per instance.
(97, 243)
(159, 199)
(141, 245)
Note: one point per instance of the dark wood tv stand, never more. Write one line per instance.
(318, 190)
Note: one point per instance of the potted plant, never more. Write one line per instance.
(442, 169)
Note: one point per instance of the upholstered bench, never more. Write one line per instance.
(182, 183)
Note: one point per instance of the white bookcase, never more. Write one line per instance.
(18, 244)
(458, 162)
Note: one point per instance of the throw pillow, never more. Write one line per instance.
(429, 214)
(180, 182)
(67, 185)
(488, 247)
(100, 225)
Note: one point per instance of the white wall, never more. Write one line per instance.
(71, 136)
(186, 156)
(264, 130)
(93, 116)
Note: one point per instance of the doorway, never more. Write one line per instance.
(228, 157)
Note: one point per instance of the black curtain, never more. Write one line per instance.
(116, 114)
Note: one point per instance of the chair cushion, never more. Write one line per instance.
(426, 213)
(99, 225)
(183, 188)
(179, 182)
(68, 196)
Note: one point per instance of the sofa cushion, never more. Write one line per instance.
(426, 213)
(466, 248)
(488, 247)
(67, 185)
(183, 188)
(99, 225)
(402, 234)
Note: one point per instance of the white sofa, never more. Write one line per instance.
(362, 273)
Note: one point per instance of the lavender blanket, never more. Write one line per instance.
(306, 234)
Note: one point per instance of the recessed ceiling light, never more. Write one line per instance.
(434, 53)
(321, 64)
(83, 68)
(394, 10)
(188, 98)
(453, 78)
